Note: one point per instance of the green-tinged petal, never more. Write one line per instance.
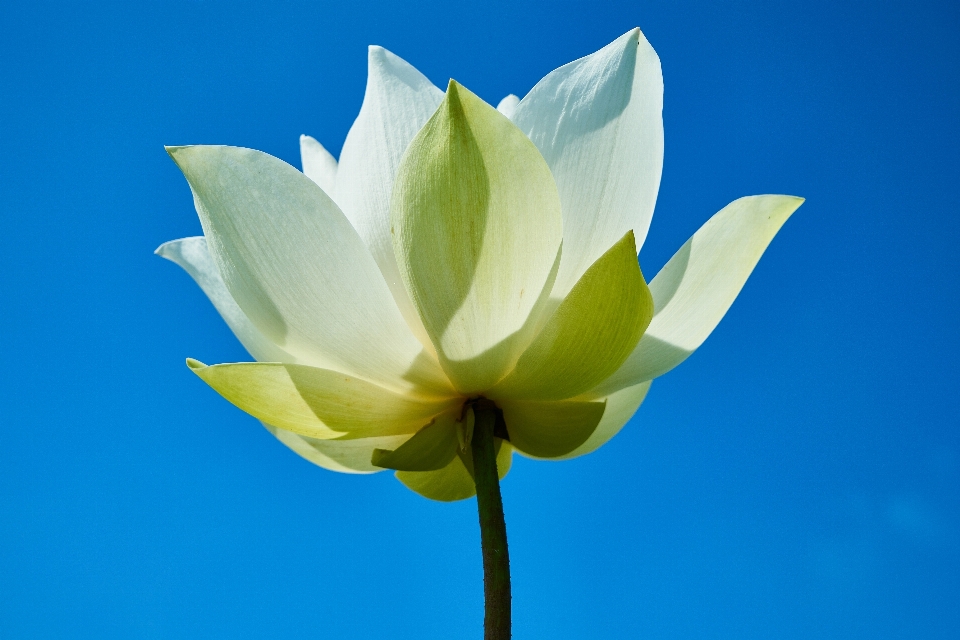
(454, 481)
(317, 402)
(318, 164)
(431, 448)
(477, 231)
(550, 429)
(589, 335)
(299, 271)
(696, 287)
(621, 406)
(398, 101)
(192, 255)
(343, 456)
(504, 457)
(597, 121)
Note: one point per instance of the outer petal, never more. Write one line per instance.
(696, 287)
(621, 405)
(317, 402)
(550, 429)
(398, 102)
(298, 269)
(192, 255)
(454, 481)
(589, 335)
(431, 448)
(344, 456)
(598, 123)
(477, 232)
(318, 164)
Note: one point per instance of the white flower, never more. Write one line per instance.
(458, 252)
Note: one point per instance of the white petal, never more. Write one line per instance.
(398, 102)
(318, 164)
(695, 288)
(192, 255)
(597, 121)
(621, 405)
(508, 105)
(299, 271)
(344, 456)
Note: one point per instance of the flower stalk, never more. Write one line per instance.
(493, 528)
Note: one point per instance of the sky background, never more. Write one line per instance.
(798, 477)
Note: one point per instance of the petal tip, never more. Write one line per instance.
(195, 365)
(173, 149)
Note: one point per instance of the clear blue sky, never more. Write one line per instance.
(798, 477)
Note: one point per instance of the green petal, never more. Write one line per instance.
(317, 402)
(477, 231)
(431, 448)
(589, 335)
(454, 481)
(621, 406)
(695, 288)
(342, 456)
(550, 429)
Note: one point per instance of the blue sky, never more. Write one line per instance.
(798, 477)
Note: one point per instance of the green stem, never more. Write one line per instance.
(493, 528)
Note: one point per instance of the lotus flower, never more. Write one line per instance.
(458, 252)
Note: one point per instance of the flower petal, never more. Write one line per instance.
(299, 271)
(621, 405)
(589, 335)
(317, 402)
(343, 456)
(508, 105)
(430, 449)
(454, 481)
(550, 429)
(696, 287)
(192, 255)
(318, 164)
(597, 121)
(398, 102)
(477, 232)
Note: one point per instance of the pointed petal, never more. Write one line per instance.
(298, 270)
(589, 335)
(192, 255)
(318, 164)
(696, 287)
(342, 456)
(477, 231)
(317, 402)
(454, 481)
(508, 105)
(598, 123)
(430, 449)
(621, 405)
(398, 102)
(550, 429)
